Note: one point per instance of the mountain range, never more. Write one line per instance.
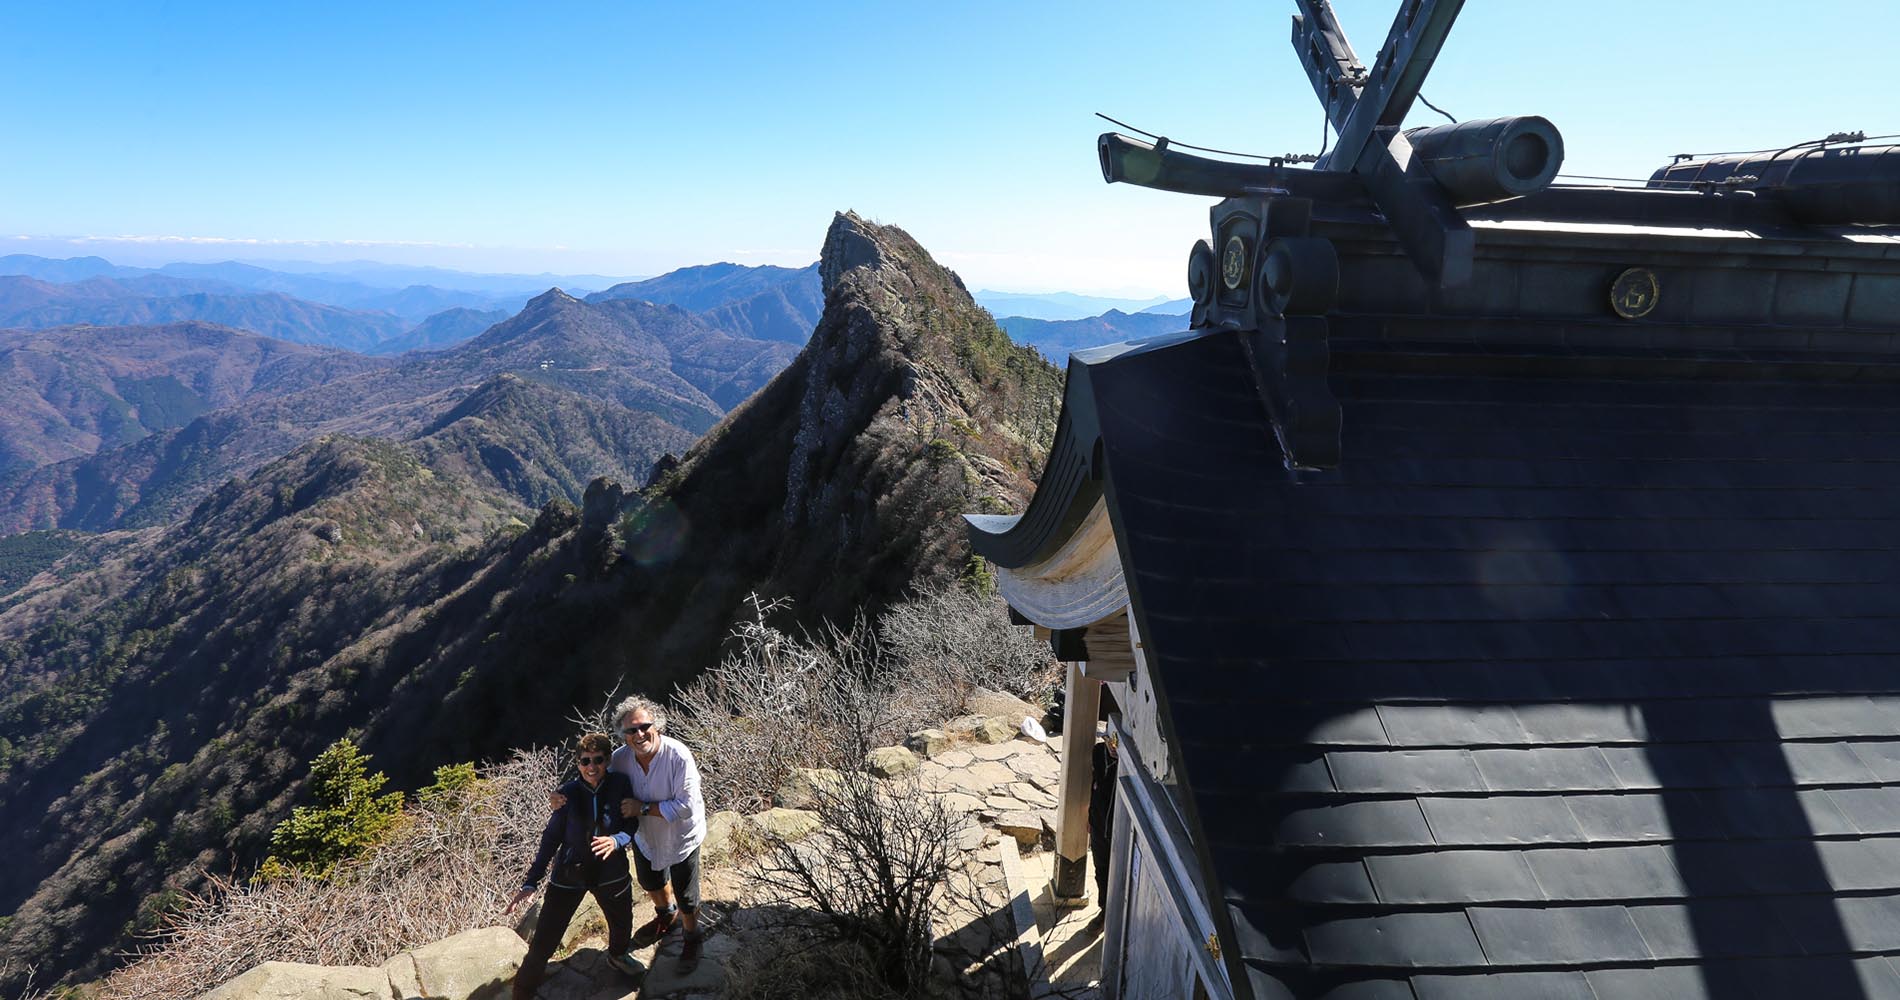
(72, 392)
(770, 303)
(1067, 305)
(408, 293)
(161, 689)
(1057, 338)
(648, 377)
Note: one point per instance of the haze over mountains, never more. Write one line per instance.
(163, 689)
(359, 308)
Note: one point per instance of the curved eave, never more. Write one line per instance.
(1079, 584)
(1071, 484)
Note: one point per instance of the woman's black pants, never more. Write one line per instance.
(557, 909)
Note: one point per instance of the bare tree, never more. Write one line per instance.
(884, 860)
(780, 702)
(953, 641)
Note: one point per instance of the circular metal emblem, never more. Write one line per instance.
(1233, 262)
(1634, 293)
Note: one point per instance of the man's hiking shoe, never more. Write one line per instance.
(628, 965)
(689, 953)
(654, 929)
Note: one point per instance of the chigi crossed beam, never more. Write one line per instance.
(1366, 108)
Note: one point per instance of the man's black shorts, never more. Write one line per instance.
(684, 876)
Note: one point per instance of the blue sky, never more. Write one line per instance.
(635, 137)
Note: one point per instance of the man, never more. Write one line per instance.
(672, 823)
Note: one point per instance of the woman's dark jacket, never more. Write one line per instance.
(567, 841)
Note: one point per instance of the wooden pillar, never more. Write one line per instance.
(1078, 764)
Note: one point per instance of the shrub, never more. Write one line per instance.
(348, 816)
(780, 701)
(884, 859)
(955, 641)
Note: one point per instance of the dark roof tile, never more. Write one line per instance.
(1719, 928)
(1640, 872)
(1366, 823)
(1454, 877)
(1442, 939)
(1545, 769)
(1413, 771)
(1558, 935)
(1500, 819)
(1505, 986)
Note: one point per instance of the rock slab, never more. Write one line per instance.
(300, 981)
(473, 965)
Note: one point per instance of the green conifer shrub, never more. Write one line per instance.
(349, 814)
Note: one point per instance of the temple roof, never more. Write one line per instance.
(1578, 677)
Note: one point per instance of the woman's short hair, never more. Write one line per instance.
(638, 703)
(595, 742)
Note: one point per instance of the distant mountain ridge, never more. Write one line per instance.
(1057, 339)
(1059, 305)
(625, 355)
(33, 304)
(765, 302)
(411, 294)
(72, 392)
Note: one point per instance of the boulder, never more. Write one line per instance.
(725, 836)
(995, 730)
(786, 824)
(963, 726)
(998, 705)
(473, 965)
(801, 790)
(889, 762)
(929, 742)
(298, 981)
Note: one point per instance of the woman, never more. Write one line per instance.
(583, 841)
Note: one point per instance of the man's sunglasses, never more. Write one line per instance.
(636, 729)
(591, 761)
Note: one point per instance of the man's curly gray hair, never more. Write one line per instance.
(639, 703)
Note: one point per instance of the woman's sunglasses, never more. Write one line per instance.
(591, 761)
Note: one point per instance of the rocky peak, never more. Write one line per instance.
(849, 243)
